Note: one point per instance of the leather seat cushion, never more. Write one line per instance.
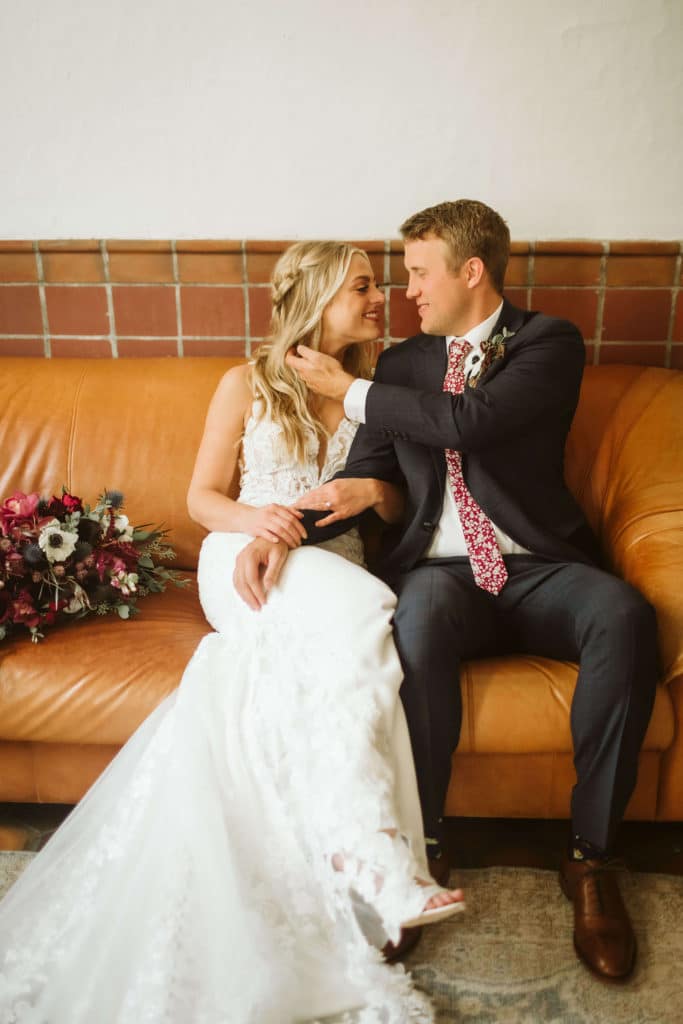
(95, 681)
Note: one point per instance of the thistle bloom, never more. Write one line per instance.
(57, 544)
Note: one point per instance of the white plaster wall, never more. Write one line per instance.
(247, 118)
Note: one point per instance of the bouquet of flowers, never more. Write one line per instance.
(61, 560)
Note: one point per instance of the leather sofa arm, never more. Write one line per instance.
(647, 551)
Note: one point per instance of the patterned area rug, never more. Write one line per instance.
(510, 960)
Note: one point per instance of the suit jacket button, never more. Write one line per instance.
(428, 526)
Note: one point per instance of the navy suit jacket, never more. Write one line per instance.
(511, 430)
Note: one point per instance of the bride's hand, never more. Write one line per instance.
(257, 568)
(277, 522)
(344, 498)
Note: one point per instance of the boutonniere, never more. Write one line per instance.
(491, 350)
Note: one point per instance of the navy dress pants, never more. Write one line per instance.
(564, 610)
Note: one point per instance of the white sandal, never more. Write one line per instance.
(434, 914)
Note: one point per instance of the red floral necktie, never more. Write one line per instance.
(486, 560)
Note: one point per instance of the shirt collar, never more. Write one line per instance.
(482, 332)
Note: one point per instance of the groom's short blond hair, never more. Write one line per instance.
(469, 228)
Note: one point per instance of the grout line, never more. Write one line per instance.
(47, 345)
(600, 312)
(180, 348)
(129, 284)
(128, 337)
(245, 296)
(387, 292)
(110, 300)
(229, 337)
(678, 267)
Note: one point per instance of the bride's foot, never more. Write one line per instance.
(442, 903)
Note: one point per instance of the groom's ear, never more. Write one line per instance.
(474, 271)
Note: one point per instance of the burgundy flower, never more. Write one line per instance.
(55, 508)
(23, 611)
(18, 508)
(128, 553)
(106, 562)
(71, 503)
(14, 564)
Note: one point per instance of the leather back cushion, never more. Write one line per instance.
(135, 424)
(89, 424)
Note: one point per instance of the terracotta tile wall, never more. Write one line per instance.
(164, 298)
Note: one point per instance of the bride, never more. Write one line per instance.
(259, 837)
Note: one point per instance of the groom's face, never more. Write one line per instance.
(442, 295)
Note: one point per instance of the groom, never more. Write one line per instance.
(494, 555)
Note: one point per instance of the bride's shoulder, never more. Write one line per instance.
(232, 400)
(238, 380)
(235, 388)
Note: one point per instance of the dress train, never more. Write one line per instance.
(194, 883)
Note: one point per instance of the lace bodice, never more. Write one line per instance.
(269, 473)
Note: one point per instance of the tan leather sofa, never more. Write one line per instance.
(67, 704)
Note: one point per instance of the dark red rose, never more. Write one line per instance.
(71, 503)
(55, 507)
(23, 611)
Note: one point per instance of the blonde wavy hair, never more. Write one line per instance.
(306, 278)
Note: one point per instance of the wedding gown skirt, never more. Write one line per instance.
(194, 883)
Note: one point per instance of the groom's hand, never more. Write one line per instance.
(257, 569)
(342, 499)
(323, 374)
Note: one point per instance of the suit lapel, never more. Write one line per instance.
(429, 366)
(513, 320)
(510, 317)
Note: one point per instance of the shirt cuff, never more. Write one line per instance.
(354, 402)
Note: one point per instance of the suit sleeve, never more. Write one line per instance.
(371, 456)
(542, 378)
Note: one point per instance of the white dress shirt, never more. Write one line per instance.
(448, 538)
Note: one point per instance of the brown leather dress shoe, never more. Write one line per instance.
(603, 936)
(408, 939)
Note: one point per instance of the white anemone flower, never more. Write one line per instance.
(57, 543)
(123, 526)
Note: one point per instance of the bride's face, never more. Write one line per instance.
(356, 313)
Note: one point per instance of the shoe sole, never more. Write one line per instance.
(435, 915)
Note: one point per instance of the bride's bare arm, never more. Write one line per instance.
(215, 479)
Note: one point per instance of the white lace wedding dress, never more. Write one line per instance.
(194, 883)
